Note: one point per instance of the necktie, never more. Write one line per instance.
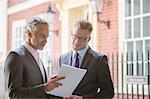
(76, 60)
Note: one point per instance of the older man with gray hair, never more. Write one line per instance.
(25, 75)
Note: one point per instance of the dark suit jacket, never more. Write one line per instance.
(23, 78)
(97, 76)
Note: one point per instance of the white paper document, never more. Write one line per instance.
(73, 76)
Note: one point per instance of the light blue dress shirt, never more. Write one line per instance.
(81, 54)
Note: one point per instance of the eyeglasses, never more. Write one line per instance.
(81, 39)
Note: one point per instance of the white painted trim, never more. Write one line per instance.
(25, 5)
(120, 24)
(3, 27)
(75, 3)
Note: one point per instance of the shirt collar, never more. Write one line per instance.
(81, 52)
(34, 52)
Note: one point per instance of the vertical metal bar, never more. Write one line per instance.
(117, 62)
(142, 74)
(127, 74)
(132, 63)
(148, 64)
(113, 66)
(132, 74)
(137, 69)
(122, 92)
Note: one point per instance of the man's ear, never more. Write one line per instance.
(29, 34)
(89, 38)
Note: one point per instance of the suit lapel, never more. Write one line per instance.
(86, 59)
(29, 55)
(44, 72)
(34, 61)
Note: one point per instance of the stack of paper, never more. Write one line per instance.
(73, 76)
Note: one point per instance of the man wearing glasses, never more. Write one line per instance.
(97, 83)
(25, 76)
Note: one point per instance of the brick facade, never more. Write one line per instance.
(109, 37)
(108, 40)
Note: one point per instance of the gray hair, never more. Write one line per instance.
(83, 24)
(33, 23)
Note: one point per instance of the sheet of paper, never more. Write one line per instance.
(73, 76)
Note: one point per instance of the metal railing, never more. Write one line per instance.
(130, 75)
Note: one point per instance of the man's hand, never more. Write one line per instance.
(53, 83)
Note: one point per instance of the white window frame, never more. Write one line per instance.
(16, 39)
(132, 39)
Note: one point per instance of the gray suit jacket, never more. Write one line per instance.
(23, 78)
(97, 76)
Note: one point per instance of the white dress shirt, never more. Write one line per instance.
(35, 54)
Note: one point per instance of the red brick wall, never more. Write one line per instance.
(108, 39)
(14, 2)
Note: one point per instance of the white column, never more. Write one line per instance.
(3, 45)
(3, 27)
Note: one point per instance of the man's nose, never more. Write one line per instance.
(77, 40)
(45, 40)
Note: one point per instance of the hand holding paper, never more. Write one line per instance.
(53, 83)
(73, 76)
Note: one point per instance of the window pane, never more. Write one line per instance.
(147, 48)
(130, 50)
(147, 69)
(146, 6)
(130, 69)
(128, 29)
(136, 28)
(127, 7)
(136, 7)
(146, 26)
(139, 49)
(147, 45)
(140, 69)
(17, 33)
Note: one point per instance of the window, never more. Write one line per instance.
(17, 33)
(137, 35)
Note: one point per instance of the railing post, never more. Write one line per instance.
(122, 64)
(117, 62)
(148, 64)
